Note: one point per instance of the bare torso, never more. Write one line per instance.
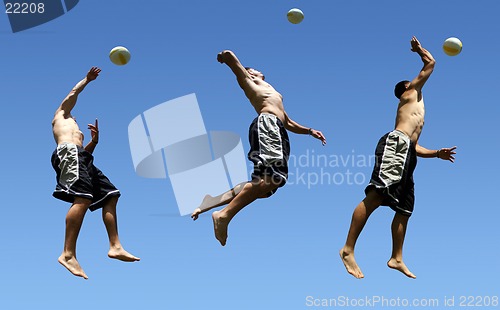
(66, 130)
(265, 99)
(410, 115)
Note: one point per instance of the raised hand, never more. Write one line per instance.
(224, 56)
(415, 44)
(318, 135)
(220, 57)
(447, 154)
(93, 73)
(94, 131)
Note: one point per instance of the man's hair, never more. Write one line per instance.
(400, 88)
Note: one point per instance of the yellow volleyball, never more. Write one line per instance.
(295, 16)
(452, 46)
(119, 56)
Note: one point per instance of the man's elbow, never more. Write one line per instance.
(288, 125)
(431, 63)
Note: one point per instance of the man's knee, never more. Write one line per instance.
(110, 202)
(267, 194)
(264, 187)
(401, 218)
(373, 197)
(82, 202)
(268, 188)
(372, 200)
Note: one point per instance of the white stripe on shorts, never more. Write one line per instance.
(396, 150)
(68, 164)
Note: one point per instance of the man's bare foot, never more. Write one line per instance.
(350, 263)
(195, 214)
(72, 265)
(220, 227)
(399, 265)
(206, 205)
(120, 254)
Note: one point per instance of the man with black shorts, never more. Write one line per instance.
(80, 182)
(269, 143)
(396, 154)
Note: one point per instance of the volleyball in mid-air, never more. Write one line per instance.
(452, 46)
(119, 55)
(295, 16)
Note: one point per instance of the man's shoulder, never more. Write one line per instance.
(409, 95)
(59, 113)
(61, 116)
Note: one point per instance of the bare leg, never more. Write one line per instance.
(110, 221)
(210, 202)
(398, 227)
(359, 217)
(74, 220)
(250, 192)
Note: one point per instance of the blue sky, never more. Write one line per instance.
(336, 71)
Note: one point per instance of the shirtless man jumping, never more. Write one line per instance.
(269, 144)
(391, 183)
(80, 182)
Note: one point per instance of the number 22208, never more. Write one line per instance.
(24, 8)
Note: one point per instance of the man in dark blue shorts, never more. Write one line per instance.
(391, 183)
(80, 182)
(269, 144)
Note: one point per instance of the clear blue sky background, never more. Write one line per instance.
(336, 71)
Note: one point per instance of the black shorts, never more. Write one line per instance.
(78, 177)
(392, 177)
(269, 149)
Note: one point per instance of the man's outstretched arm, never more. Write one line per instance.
(229, 58)
(443, 153)
(242, 76)
(428, 67)
(295, 127)
(70, 101)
